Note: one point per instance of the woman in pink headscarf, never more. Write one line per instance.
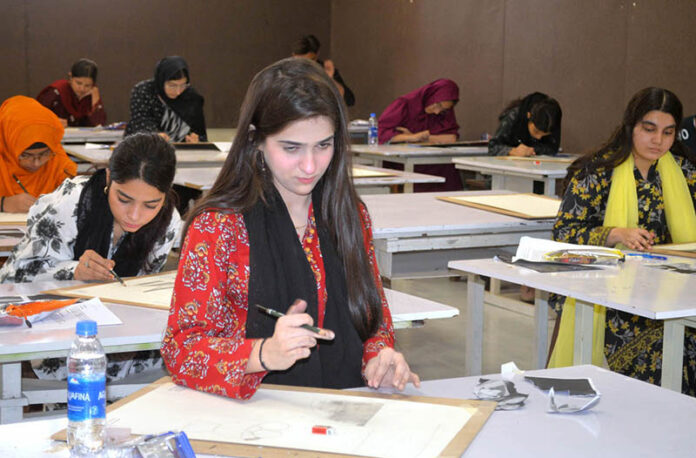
(423, 115)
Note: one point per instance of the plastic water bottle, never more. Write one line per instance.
(86, 392)
(372, 132)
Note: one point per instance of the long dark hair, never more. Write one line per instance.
(620, 144)
(84, 68)
(287, 91)
(148, 157)
(544, 111)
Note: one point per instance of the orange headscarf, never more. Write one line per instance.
(23, 122)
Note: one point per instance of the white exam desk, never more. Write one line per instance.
(142, 329)
(202, 178)
(410, 155)
(415, 235)
(187, 157)
(631, 287)
(633, 419)
(517, 174)
(92, 134)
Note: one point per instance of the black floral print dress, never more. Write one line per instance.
(633, 344)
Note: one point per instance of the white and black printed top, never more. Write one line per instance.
(46, 251)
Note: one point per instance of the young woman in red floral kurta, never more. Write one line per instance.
(282, 227)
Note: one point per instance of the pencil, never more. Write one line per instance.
(20, 183)
(276, 314)
(112, 272)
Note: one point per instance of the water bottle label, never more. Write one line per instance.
(86, 397)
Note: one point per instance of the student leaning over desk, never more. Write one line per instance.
(637, 190)
(168, 105)
(122, 218)
(284, 228)
(32, 160)
(76, 100)
(529, 126)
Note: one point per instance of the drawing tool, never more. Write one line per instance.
(648, 256)
(112, 272)
(20, 183)
(276, 314)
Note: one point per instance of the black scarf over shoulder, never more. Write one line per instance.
(95, 225)
(189, 104)
(279, 274)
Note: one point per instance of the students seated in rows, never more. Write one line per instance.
(32, 160)
(308, 47)
(282, 227)
(636, 191)
(121, 218)
(425, 115)
(528, 127)
(76, 100)
(168, 105)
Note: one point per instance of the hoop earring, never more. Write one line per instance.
(106, 189)
(262, 161)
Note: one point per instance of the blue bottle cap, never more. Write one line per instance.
(372, 115)
(86, 328)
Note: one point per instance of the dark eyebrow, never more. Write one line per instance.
(290, 142)
(123, 194)
(671, 126)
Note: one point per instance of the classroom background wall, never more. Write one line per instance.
(590, 55)
(224, 42)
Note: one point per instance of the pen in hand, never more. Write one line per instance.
(113, 272)
(325, 333)
(20, 183)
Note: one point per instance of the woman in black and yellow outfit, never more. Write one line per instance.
(637, 190)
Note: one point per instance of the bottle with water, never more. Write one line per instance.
(86, 392)
(372, 132)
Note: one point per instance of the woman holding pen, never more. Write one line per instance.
(282, 227)
(33, 160)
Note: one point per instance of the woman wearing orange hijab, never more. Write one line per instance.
(33, 160)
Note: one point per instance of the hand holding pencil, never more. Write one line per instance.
(292, 340)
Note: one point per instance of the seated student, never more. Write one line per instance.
(308, 47)
(76, 100)
(687, 133)
(122, 218)
(168, 105)
(282, 227)
(635, 191)
(32, 159)
(528, 127)
(425, 115)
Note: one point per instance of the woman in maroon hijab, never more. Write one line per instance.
(423, 115)
(76, 100)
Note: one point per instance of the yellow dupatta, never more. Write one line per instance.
(622, 211)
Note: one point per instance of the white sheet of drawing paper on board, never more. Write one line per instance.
(363, 426)
(528, 204)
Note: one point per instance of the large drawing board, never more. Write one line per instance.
(527, 206)
(277, 421)
(13, 219)
(152, 291)
(360, 172)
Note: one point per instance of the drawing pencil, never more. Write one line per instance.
(276, 314)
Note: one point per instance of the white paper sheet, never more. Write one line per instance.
(67, 317)
(17, 219)
(363, 426)
(533, 249)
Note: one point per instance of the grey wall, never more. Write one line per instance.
(592, 55)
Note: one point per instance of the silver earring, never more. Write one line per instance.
(106, 189)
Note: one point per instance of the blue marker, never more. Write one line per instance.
(648, 256)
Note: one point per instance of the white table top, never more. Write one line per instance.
(421, 214)
(633, 418)
(540, 168)
(140, 326)
(632, 287)
(202, 178)
(91, 134)
(188, 157)
(406, 150)
(406, 307)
